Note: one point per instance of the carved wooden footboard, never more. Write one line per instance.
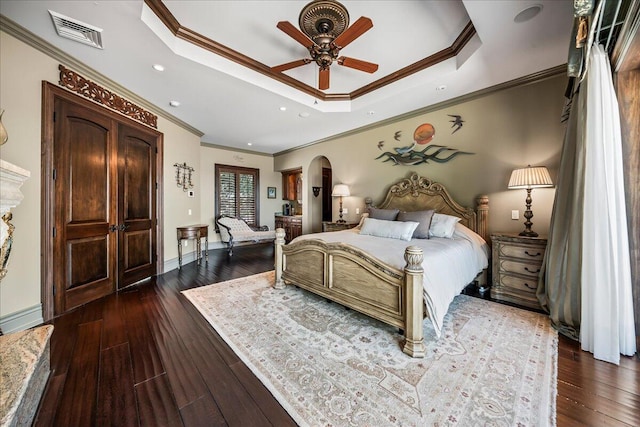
(354, 278)
(351, 277)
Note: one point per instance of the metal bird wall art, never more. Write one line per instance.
(423, 135)
(457, 122)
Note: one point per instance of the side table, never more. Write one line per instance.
(337, 226)
(517, 261)
(194, 232)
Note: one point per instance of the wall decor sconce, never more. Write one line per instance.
(316, 191)
(183, 175)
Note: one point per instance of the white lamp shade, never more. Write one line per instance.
(530, 177)
(340, 190)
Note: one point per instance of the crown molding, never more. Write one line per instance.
(178, 30)
(26, 36)
(521, 81)
(237, 150)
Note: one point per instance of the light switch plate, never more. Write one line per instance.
(515, 214)
(345, 211)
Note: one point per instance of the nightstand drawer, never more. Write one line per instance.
(527, 285)
(531, 252)
(524, 268)
(517, 262)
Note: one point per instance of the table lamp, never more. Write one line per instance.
(341, 190)
(529, 178)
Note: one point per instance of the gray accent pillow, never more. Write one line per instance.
(421, 217)
(384, 214)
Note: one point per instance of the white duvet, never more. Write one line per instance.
(449, 264)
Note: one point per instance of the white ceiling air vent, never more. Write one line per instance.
(75, 30)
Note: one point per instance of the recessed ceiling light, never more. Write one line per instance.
(174, 103)
(158, 67)
(441, 87)
(283, 108)
(528, 13)
(304, 114)
(249, 143)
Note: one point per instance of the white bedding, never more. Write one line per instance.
(449, 264)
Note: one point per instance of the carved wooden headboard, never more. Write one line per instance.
(418, 193)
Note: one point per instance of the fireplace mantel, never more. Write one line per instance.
(11, 179)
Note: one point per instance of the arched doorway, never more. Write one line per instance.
(319, 190)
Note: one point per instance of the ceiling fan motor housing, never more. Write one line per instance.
(322, 20)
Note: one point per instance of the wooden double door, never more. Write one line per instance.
(103, 202)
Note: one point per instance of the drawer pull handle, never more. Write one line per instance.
(533, 288)
(534, 255)
(537, 271)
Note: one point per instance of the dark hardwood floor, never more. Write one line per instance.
(145, 357)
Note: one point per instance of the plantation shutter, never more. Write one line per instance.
(237, 193)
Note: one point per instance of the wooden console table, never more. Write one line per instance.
(194, 232)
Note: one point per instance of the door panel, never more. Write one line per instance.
(136, 204)
(84, 251)
(327, 207)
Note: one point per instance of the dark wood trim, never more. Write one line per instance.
(197, 39)
(627, 83)
(447, 53)
(46, 202)
(93, 91)
(160, 205)
(237, 170)
(49, 93)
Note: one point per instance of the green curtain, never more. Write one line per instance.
(559, 284)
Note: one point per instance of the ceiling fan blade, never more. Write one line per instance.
(323, 79)
(361, 26)
(290, 65)
(358, 64)
(295, 34)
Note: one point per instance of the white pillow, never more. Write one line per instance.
(402, 230)
(364, 215)
(443, 225)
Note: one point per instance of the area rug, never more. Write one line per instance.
(329, 366)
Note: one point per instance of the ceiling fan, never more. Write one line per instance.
(325, 30)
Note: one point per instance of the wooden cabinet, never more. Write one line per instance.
(292, 185)
(337, 226)
(517, 261)
(292, 226)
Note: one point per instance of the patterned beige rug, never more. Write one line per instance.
(328, 366)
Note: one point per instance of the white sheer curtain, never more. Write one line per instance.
(607, 323)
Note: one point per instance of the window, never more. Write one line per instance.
(237, 192)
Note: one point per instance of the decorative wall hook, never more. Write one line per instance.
(183, 175)
(316, 191)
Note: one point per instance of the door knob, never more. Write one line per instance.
(123, 227)
(113, 228)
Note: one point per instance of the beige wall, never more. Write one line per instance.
(22, 69)
(505, 129)
(20, 96)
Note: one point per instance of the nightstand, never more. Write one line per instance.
(337, 226)
(517, 261)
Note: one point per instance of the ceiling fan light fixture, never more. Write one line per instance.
(323, 19)
(324, 31)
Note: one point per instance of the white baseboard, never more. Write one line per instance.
(21, 320)
(172, 264)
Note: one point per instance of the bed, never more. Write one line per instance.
(389, 286)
